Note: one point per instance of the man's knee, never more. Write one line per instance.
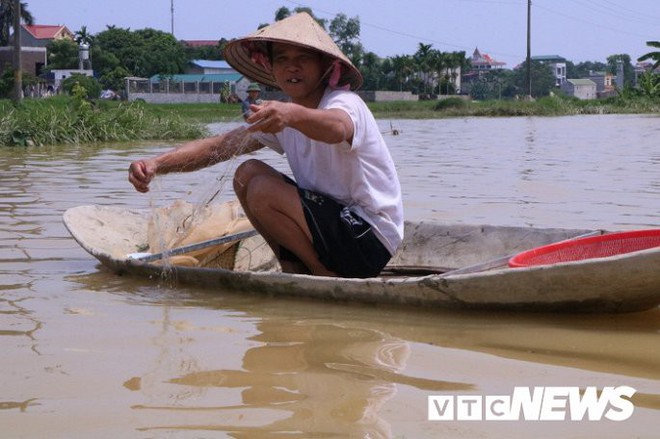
(245, 172)
(261, 189)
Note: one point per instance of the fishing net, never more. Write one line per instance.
(182, 224)
(213, 213)
(602, 246)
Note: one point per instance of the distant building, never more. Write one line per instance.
(192, 78)
(56, 76)
(33, 59)
(34, 39)
(209, 67)
(188, 88)
(40, 35)
(557, 64)
(480, 65)
(604, 83)
(580, 88)
(483, 61)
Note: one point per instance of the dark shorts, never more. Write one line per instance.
(345, 243)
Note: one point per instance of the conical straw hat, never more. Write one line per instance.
(249, 56)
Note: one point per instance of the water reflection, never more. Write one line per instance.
(295, 375)
(21, 406)
(277, 367)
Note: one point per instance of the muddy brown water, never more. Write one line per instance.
(86, 353)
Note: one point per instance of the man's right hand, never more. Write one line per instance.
(140, 174)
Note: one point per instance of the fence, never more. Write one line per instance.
(168, 91)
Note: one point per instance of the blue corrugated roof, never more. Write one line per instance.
(209, 64)
(214, 77)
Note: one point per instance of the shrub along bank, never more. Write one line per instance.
(62, 120)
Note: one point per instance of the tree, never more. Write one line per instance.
(7, 19)
(371, 69)
(584, 69)
(114, 79)
(497, 84)
(397, 71)
(282, 13)
(162, 53)
(424, 63)
(655, 56)
(285, 12)
(89, 85)
(116, 47)
(346, 33)
(206, 52)
(62, 54)
(144, 53)
(7, 82)
(447, 66)
(437, 64)
(543, 79)
(82, 36)
(649, 84)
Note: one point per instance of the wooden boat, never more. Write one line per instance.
(438, 265)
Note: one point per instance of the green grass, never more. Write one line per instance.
(64, 120)
(547, 106)
(200, 113)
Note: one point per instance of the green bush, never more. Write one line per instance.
(89, 84)
(62, 120)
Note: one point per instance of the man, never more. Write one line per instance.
(253, 92)
(343, 215)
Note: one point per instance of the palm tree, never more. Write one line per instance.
(7, 19)
(423, 58)
(83, 36)
(457, 64)
(402, 65)
(440, 62)
(655, 56)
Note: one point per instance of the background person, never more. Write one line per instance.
(253, 92)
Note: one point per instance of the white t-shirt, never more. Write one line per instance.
(361, 176)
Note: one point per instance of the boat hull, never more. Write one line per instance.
(623, 283)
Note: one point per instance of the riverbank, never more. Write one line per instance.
(64, 120)
(445, 108)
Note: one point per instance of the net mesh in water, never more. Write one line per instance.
(588, 248)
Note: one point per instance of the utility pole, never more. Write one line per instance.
(529, 48)
(18, 73)
(172, 16)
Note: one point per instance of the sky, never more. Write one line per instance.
(578, 30)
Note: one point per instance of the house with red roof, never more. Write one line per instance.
(480, 66)
(39, 35)
(483, 61)
(34, 39)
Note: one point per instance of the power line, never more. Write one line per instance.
(612, 9)
(609, 9)
(619, 31)
(419, 37)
